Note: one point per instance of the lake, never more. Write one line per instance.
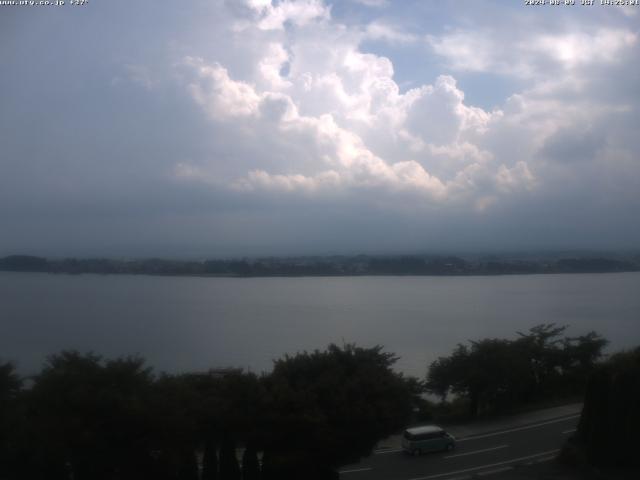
(192, 323)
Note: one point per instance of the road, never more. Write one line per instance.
(478, 454)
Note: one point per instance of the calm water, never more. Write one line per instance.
(181, 323)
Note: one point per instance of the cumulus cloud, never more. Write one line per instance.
(297, 12)
(363, 135)
(531, 55)
(581, 48)
(257, 112)
(352, 164)
(218, 93)
(358, 131)
(381, 31)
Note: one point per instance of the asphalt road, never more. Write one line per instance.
(474, 455)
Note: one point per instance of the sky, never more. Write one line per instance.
(262, 127)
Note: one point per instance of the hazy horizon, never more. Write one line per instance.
(465, 254)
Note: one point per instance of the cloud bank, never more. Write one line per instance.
(303, 126)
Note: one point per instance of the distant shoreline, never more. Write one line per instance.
(345, 275)
(335, 266)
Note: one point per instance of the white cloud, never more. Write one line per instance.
(515, 178)
(381, 31)
(438, 115)
(331, 120)
(270, 67)
(373, 3)
(218, 93)
(577, 49)
(284, 109)
(299, 12)
(466, 50)
(340, 157)
(526, 54)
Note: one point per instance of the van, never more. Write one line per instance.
(430, 438)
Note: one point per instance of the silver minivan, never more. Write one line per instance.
(430, 438)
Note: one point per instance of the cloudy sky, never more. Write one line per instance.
(252, 127)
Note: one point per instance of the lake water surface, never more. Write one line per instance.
(190, 323)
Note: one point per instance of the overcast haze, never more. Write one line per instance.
(253, 127)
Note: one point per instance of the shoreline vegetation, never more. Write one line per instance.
(87, 417)
(344, 265)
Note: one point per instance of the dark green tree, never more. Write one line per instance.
(11, 420)
(88, 417)
(541, 345)
(487, 373)
(583, 352)
(494, 374)
(174, 409)
(608, 428)
(341, 401)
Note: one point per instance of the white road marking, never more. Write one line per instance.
(569, 431)
(476, 451)
(474, 437)
(494, 471)
(549, 452)
(355, 470)
(544, 459)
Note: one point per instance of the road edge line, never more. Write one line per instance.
(549, 452)
(516, 429)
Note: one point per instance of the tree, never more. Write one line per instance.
(488, 373)
(10, 419)
(340, 401)
(608, 428)
(88, 417)
(10, 383)
(541, 346)
(582, 352)
(493, 374)
(174, 408)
